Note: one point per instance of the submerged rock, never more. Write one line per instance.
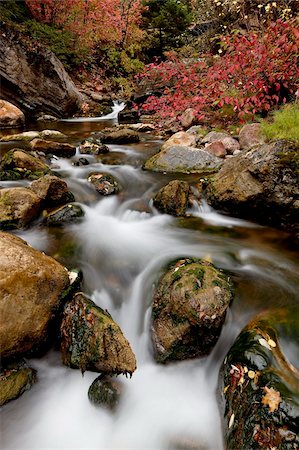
(91, 340)
(31, 289)
(189, 308)
(18, 207)
(173, 198)
(70, 213)
(104, 183)
(53, 191)
(261, 184)
(260, 393)
(105, 391)
(10, 115)
(60, 149)
(15, 379)
(182, 159)
(18, 164)
(89, 147)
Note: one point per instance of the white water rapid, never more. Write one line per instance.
(116, 108)
(121, 246)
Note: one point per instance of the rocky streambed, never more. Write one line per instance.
(184, 321)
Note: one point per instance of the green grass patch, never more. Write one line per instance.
(285, 124)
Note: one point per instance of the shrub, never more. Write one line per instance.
(285, 124)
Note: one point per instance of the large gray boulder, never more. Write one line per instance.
(33, 78)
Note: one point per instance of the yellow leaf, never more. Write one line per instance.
(271, 399)
(251, 374)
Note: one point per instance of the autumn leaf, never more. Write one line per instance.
(271, 399)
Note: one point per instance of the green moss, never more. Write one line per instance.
(290, 160)
(285, 124)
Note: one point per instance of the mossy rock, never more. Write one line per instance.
(92, 146)
(27, 136)
(18, 164)
(259, 392)
(70, 213)
(173, 198)
(52, 191)
(18, 207)
(189, 307)
(105, 391)
(105, 184)
(91, 340)
(15, 379)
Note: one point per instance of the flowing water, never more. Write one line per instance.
(121, 246)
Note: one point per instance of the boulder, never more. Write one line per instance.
(188, 118)
(189, 307)
(142, 127)
(70, 213)
(15, 379)
(32, 286)
(52, 134)
(213, 136)
(250, 136)
(18, 207)
(173, 198)
(52, 190)
(230, 144)
(18, 164)
(89, 147)
(261, 184)
(26, 136)
(80, 162)
(60, 149)
(182, 159)
(105, 391)
(91, 340)
(121, 136)
(216, 148)
(105, 184)
(180, 138)
(10, 115)
(198, 131)
(259, 392)
(38, 81)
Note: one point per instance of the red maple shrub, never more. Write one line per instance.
(252, 73)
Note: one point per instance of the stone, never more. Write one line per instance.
(91, 340)
(18, 207)
(105, 184)
(216, 148)
(80, 162)
(213, 136)
(33, 78)
(105, 391)
(26, 136)
(88, 147)
(259, 392)
(230, 144)
(188, 117)
(180, 138)
(60, 149)
(70, 213)
(32, 286)
(250, 136)
(173, 198)
(10, 115)
(47, 118)
(199, 131)
(18, 164)
(142, 127)
(52, 134)
(189, 307)
(260, 184)
(121, 136)
(15, 379)
(182, 159)
(52, 190)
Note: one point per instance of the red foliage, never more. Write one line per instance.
(254, 73)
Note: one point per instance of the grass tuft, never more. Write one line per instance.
(285, 124)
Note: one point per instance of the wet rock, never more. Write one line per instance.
(128, 116)
(189, 308)
(105, 391)
(91, 340)
(31, 289)
(173, 198)
(105, 184)
(188, 118)
(250, 136)
(182, 159)
(180, 138)
(81, 162)
(18, 164)
(260, 392)
(10, 115)
(142, 127)
(261, 184)
(70, 213)
(121, 136)
(216, 148)
(52, 190)
(15, 379)
(27, 136)
(52, 134)
(18, 207)
(60, 149)
(93, 147)
(47, 118)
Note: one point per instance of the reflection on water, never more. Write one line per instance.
(121, 246)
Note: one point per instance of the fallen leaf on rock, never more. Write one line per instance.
(271, 399)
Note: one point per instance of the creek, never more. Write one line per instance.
(121, 246)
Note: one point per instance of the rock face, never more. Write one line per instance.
(15, 379)
(260, 393)
(31, 288)
(91, 340)
(261, 184)
(105, 391)
(10, 115)
(18, 164)
(34, 79)
(182, 159)
(173, 198)
(104, 183)
(189, 308)
(60, 149)
(18, 207)
(53, 191)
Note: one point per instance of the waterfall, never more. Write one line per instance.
(116, 108)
